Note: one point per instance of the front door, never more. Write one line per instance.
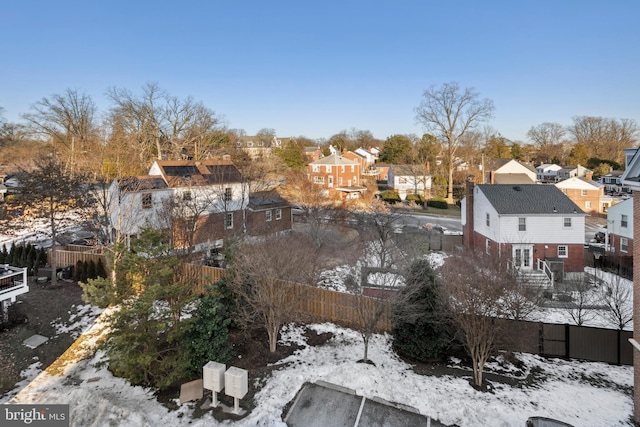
(523, 257)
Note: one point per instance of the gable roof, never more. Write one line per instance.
(497, 164)
(578, 182)
(408, 170)
(512, 178)
(335, 159)
(266, 200)
(189, 172)
(528, 199)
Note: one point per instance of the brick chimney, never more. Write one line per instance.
(468, 230)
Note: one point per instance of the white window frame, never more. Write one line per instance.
(522, 224)
(268, 215)
(228, 220)
(584, 192)
(318, 180)
(315, 168)
(487, 246)
(278, 214)
(328, 168)
(488, 219)
(587, 204)
(624, 221)
(567, 222)
(228, 194)
(624, 244)
(563, 251)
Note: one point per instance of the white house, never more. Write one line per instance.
(619, 234)
(531, 225)
(548, 172)
(409, 179)
(210, 188)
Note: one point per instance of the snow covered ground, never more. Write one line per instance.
(580, 393)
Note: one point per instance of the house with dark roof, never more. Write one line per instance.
(209, 198)
(268, 213)
(534, 227)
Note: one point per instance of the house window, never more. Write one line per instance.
(624, 221)
(487, 246)
(342, 169)
(567, 223)
(250, 144)
(355, 180)
(624, 244)
(316, 168)
(353, 168)
(318, 180)
(228, 220)
(402, 180)
(228, 194)
(268, 215)
(563, 251)
(186, 195)
(339, 180)
(587, 205)
(488, 219)
(584, 192)
(278, 214)
(522, 224)
(328, 168)
(146, 201)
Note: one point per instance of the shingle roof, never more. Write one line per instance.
(334, 159)
(139, 183)
(528, 199)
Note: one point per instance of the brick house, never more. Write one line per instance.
(532, 226)
(338, 175)
(268, 213)
(586, 193)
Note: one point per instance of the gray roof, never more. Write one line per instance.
(334, 159)
(529, 199)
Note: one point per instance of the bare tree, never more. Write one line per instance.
(56, 194)
(618, 298)
(449, 112)
(68, 121)
(474, 290)
(369, 310)
(264, 273)
(605, 138)
(583, 298)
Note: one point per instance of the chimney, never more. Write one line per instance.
(492, 177)
(588, 175)
(468, 230)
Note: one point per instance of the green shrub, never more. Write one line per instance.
(390, 196)
(438, 203)
(417, 198)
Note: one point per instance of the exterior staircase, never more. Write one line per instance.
(536, 278)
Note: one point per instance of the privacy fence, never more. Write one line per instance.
(323, 305)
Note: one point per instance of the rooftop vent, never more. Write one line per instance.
(517, 188)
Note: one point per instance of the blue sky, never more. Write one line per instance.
(317, 68)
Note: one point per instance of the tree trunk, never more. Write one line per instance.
(365, 338)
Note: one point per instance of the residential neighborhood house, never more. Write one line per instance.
(210, 196)
(508, 171)
(587, 194)
(548, 173)
(618, 241)
(337, 176)
(536, 227)
(409, 179)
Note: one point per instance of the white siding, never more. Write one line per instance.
(540, 228)
(614, 216)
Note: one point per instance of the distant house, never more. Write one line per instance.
(535, 227)
(574, 171)
(409, 179)
(212, 193)
(548, 173)
(508, 171)
(311, 154)
(260, 145)
(337, 175)
(613, 183)
(587, 194)
(619, 235)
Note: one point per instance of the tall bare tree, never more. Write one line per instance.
(581, 308)
(449, 112)
(618, 298)
(68, 120)
(547, 137)
(605, 138)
